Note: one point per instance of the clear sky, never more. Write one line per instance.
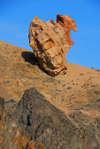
(15, 17)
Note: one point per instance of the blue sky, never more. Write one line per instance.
(15, 17)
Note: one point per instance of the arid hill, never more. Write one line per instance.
(75, 95)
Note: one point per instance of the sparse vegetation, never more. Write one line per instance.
(69, 87)
(29, 65)
(92, 68)
(81, 74)
(97, 70)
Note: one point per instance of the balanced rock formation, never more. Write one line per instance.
(51, 41)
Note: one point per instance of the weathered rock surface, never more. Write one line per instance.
(12, 136)
(36, 123)
(51, 41)
(67, 24)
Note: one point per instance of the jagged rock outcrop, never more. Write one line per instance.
(36, 123)
(12, 135)
(51, 41)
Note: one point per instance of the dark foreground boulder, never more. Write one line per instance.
(36, 123)
(12, 136)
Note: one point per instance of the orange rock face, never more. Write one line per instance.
(67, 24)
(50, 42)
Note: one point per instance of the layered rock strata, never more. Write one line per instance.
(51, 41)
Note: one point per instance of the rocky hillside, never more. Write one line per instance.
(44, 112)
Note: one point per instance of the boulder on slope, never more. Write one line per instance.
(51, 41)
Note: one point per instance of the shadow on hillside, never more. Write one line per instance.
(30, 57)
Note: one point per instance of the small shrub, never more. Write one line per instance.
(29, 65)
